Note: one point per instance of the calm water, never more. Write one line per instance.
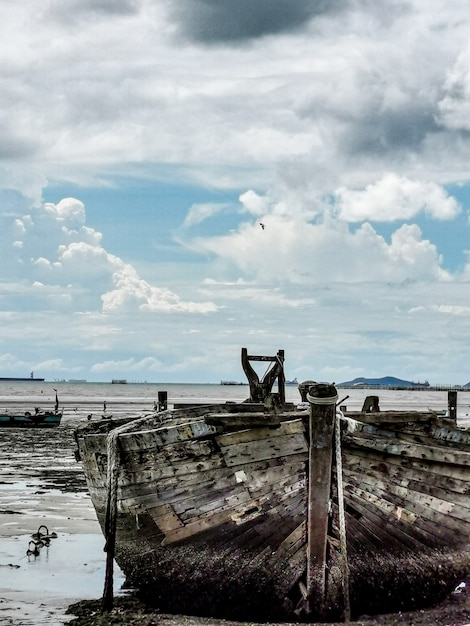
(141, 396)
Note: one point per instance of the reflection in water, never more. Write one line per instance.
(70, 569)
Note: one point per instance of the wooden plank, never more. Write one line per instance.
(436, 435)
(389, 521)
(155, 438)
(422, 502)
(434, 470)
(391, 417)
(165, 518)
(413, 450)
(360, 535)
(291, 543)
(445, 529)
(182, 466)
(451, 435)
(244, 436)
(178, 490)
(193, 507)
(418, 478)
(243, 420)
(204, 522)
(269, 448)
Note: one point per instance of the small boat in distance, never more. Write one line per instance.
(39, 418)
(119, 381)
(230, 382)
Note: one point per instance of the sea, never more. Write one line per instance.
(96, 396)
(40, 483)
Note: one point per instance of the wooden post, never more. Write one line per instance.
(452, 405)
(281, 379)
(162, 400)
(322, 398)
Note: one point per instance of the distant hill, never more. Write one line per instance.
(386, 381)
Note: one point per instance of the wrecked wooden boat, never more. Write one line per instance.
(261, 511)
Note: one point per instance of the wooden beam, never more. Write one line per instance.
(321, 428)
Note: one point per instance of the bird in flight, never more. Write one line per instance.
(262, 225)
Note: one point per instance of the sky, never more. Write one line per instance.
(181, 179)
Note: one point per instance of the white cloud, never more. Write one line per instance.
(454, 107)
(449, 309)
(254, 203)
(301, 252)
(395, 198)
(132, 292)
(198, 213)
(148, 364)
(54, 249)
(69, 210)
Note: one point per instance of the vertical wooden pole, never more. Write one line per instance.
(322, 398)
(452, 405)
(162, 400)
(281, 379)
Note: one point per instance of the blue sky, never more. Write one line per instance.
(143, 143)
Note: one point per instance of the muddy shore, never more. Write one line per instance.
(455, 611)
(43, 463)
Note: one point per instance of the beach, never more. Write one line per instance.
(41, 484)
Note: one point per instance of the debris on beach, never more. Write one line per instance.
(40, 539)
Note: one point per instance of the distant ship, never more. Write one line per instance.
(28, 380)
(119, 381)
(230, 382)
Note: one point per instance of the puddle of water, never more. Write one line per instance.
(37, 590)
(20, 485)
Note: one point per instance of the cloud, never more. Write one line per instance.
(84, 8)
(454, 106)
(340, 126)
(269, 295)
(198, 213)
(63, 261)
(67, 210)
(394, 198)
(132, 293)
(148, 364)
(224, 21)
(291, 248)
(254, 203)
(327, 95)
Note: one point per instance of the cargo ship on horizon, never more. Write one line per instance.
(19, 379)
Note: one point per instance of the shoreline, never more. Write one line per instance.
(128, 610)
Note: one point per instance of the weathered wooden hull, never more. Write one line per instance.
(211, 514)
(30, 420)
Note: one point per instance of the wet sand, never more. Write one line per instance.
(42, 484)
